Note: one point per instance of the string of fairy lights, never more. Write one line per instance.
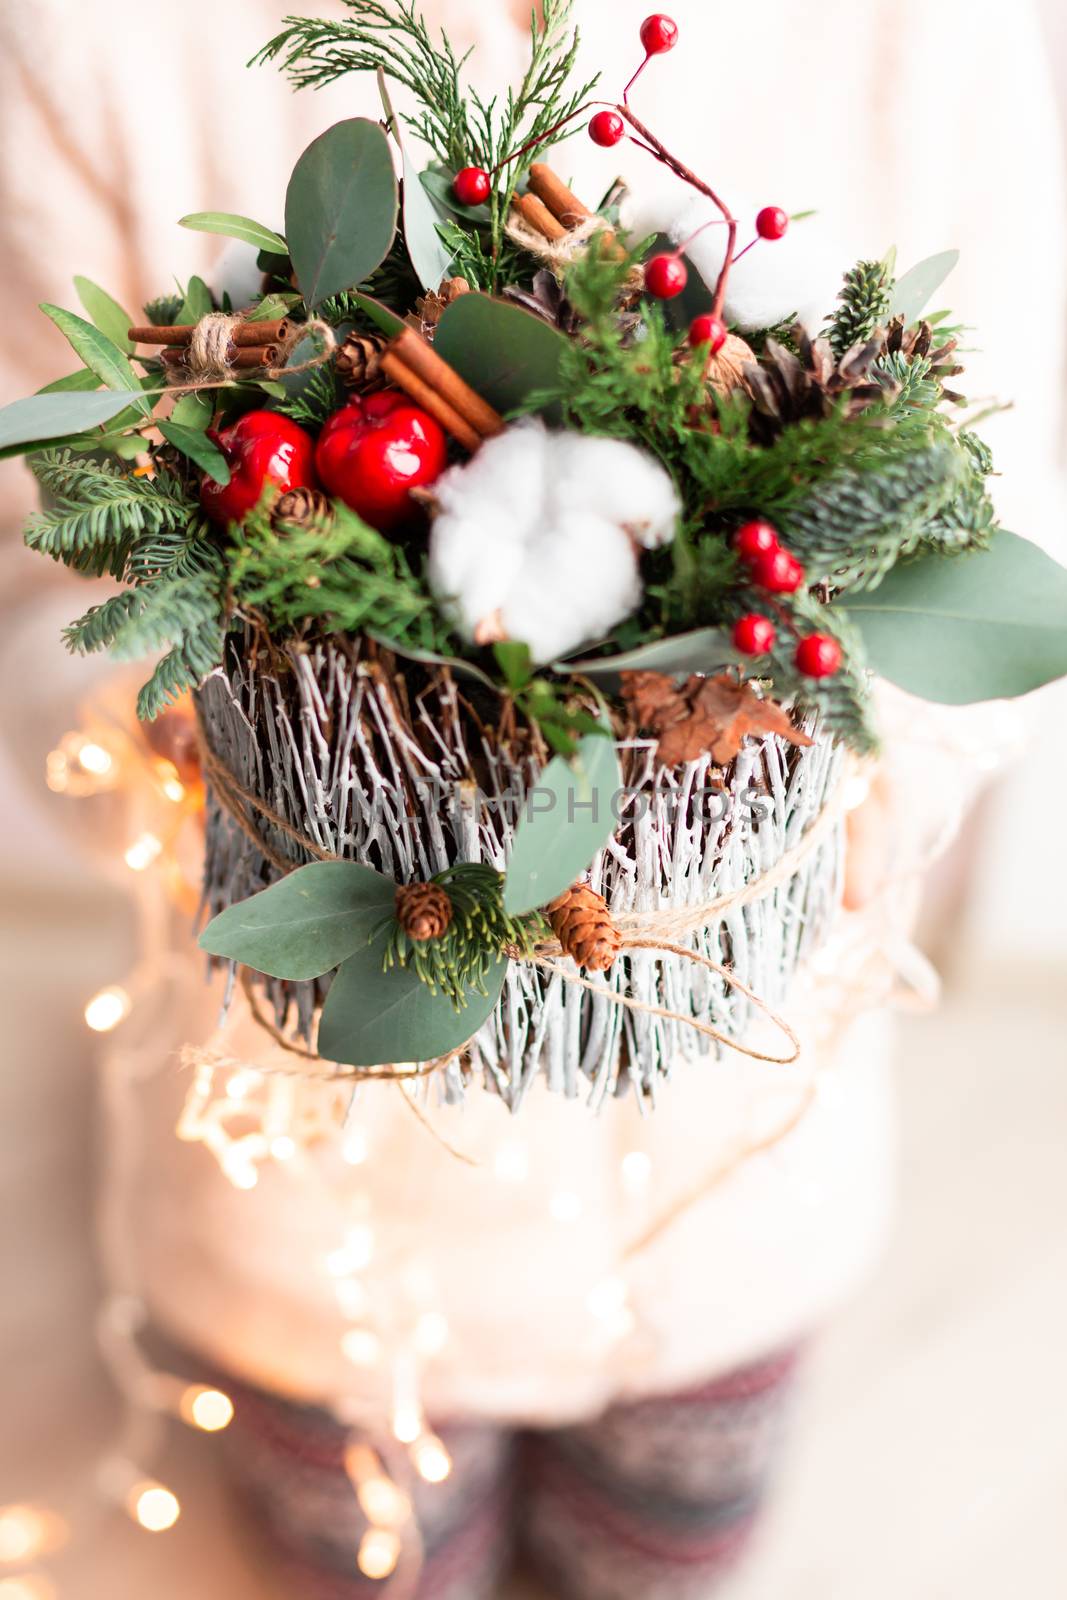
(248, 1117)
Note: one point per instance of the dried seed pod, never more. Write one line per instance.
(582, 923)
(423, 911)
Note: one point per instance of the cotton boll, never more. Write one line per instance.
(577, 581)
(236, 274)
(475, 562)
(618, 481)
(508, 476)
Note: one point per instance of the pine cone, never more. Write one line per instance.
(582, 923)
(359, 360)
(430, 308)
(300, 508)
(423, 910)
(788, 387)
(917, 341)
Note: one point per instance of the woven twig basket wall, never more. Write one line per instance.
(402, 767)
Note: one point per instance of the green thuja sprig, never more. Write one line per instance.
(480, 933)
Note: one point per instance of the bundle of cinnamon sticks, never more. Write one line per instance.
(551, 209)
(412, 364)
(252, 344)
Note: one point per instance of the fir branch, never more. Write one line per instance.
(142, 620)
(98, 513)
(321, 393)
(336, 571)
(477, 937)
(865, 297)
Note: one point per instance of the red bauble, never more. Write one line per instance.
(755, 539)
(818, 656)
(606, 128)
(708, 330)
(472, 186)
(261, 448)
(777, 571)
(771, 222)
(375, 451)
(753, 635)
(659, 34)
(666, 276)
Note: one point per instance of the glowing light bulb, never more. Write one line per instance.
(407, 1422)
(95, 759)
(27, 1586)
(154, 1507)
(169, 782)
(207, 1409)
(241, 1084)
(636, 1171)
(142, 852)
(107, 1009)
(239, 1170)
(283, 1147)
(607, 1299)
(379, 1552)
(383, 1503)
(354, 1149)
(565, 1206)
(431, 1333)
(23, 1533)
(361, 1347)
(432, 1461)
(511, 1163)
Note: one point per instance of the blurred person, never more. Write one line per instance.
(867, 114)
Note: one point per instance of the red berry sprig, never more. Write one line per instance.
(666, 276)
(607, 128)
(754, 635)
(708, 330)
(818, 656)
(771, 222)
(778, 572)
(472, 186)
(659, 34)
(755, 539)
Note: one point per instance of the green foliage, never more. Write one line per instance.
(453, 120)
(865, 299)
(459, 963)
(338, 572)
(341, 208)
(548, 705)
(569, 817)
(97, 514)
(163, 312)
(321, 394)
(842, 702)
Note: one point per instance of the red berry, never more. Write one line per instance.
(777, 571)
(771, 222)
(666, 276)
(261, 448)
(659, 34)
(708, 330)
(375, 451)
(818, 656)
(755, 539)
(606, 128)
(471, 186)
(753, 635)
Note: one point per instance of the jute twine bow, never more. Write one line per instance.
(643, 932)
(209, 361)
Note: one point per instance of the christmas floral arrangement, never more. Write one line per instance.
(529, 586)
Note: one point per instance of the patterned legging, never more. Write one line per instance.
(654, 1499)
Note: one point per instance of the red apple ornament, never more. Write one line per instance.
(375, 451)
(261, 448)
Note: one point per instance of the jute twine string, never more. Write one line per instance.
(642, 931)
(209, 362)
(559, 254)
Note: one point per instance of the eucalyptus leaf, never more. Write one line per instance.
(914, 290)
(80, 382)
(503, 352)
(272, 307)
(99, 353)
(374, 1018)
(195, 444)
(341, 208)
(569, 817)
(988, 625)
(702, 650)
(236, 227)
(56, 416)
(197, 303)
(307, 923)
(194, 411)
(388, 321)
(105, 313)
(456, 664)
(426, 252)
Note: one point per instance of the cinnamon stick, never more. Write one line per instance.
(553, 193)
(240, 360)
(420, 357)
(430, 399)
(537, 216)
(245, 333)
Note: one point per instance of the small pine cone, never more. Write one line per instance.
(431, 307)
(582, 923)
(300, 508)
(423, 911)
(359, 360)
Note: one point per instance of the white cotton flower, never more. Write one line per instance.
(777, 278)
(537, 538)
